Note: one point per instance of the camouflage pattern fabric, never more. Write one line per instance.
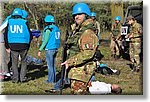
(83, 45)
(116, 30)
(134, 51)
(135, 45)
(78, 87)
(114, 47)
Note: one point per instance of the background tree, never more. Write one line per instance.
(117, 10)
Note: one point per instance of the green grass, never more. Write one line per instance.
(130, 82)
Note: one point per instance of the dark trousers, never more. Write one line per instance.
(15, 57)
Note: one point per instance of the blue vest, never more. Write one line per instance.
(18, 31)
(54, 38)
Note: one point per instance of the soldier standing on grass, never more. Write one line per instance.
(116, 38)
(96, 24)
(135, 36)
(82, 45)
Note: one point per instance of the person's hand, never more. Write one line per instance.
(8, 50)
(34, 36)
(131, 35)
(127, 36)
(66, 64)
(39, 53)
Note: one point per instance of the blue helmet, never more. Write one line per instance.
(24, 14)
(49, 18)
(81, 8)
(17, 12)
(118, 18)
(93, 14)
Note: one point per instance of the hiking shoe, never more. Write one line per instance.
(137, 69)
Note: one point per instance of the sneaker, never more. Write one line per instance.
(117, 72)
(52, 91)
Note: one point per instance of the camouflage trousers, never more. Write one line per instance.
(80, 77)
(78, 87)
(134, 51)
(114, 47)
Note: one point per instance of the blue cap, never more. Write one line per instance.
(17, 12)
(49, 18)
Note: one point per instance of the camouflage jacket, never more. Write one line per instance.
(83, 44)
(116, 30)
(137, 32)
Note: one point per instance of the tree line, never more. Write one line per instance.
(106, 11)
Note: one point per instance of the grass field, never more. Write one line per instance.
(130, 82)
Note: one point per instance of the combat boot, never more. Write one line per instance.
(133, 68)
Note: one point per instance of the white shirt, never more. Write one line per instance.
(100, 88)
(3, 26)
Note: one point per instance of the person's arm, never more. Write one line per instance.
(98, 28)
(4, 24)
(46, 37)
(88, 44)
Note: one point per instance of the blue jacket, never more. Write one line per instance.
(18, 31)
(54, 38)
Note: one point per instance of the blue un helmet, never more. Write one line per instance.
(24, 14)
(17, 12)
(93, 14)
(81, 8)
(49, 18)
(117, 18)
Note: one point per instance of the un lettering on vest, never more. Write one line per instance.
(16, 28)
(57, 35)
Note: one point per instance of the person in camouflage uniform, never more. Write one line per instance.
(135, 36)
(82, 47)
(96, 24)
(116, 38)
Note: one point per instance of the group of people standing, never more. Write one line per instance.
(135, 36)
(17, 39)
(83, 44)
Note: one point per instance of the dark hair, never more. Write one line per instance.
(87, 16)
(16, 16)
(117, 90)
(49, 23)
